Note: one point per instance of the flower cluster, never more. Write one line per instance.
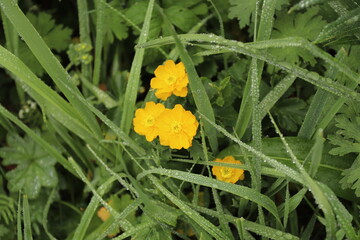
(175, 127)
(227, 174)
(170, 78)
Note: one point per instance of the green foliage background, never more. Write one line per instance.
(273, 83)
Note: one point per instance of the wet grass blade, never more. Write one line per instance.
(245, 192)
(100, 25)
(27, 219)
(134, 76)
(90, 210)
(84, 30)
(204, 223)
(49, 62)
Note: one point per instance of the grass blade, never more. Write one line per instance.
(204, 223)
(343, 216)
(317, 105)
(134, 76)
(275, 94)
(266, 231)
(318, 194)
(90, 210)
(50, 63)
(84, 30)
(27, 220)
(245, 192)
(251, 50)
(100, 18)
(19, 217)
(123, 222)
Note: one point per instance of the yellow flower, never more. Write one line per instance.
(177, 127)
(103, 214)
(227, 174)
(170, 79)
(145, 119)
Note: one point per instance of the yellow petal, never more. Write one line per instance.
(181, 93)
(162, 95)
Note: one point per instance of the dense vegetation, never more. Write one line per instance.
(192, 119)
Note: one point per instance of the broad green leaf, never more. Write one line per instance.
(34, 167)
(244, 10)
(55, 36)
(351, 177)
(181, 17)
(307, 25)
(347, 139)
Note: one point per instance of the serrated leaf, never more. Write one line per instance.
(351, 177)
(34, 166)
(114, 23)
(307, 25)
(347, 138)
(181, 17)
(244, 10)
(57, 37)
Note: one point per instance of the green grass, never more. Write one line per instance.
(286, 107)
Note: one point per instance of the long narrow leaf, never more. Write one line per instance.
(242, 191)
(134, 76)
(50, 63)
(27, 220)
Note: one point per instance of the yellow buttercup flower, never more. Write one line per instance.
(103, 214)
(145, 119)
(227, 174)
(177, 127)
(170, 79)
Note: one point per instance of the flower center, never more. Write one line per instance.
(176, 127)
(171, 80)
(226, 172)
(149, 121)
